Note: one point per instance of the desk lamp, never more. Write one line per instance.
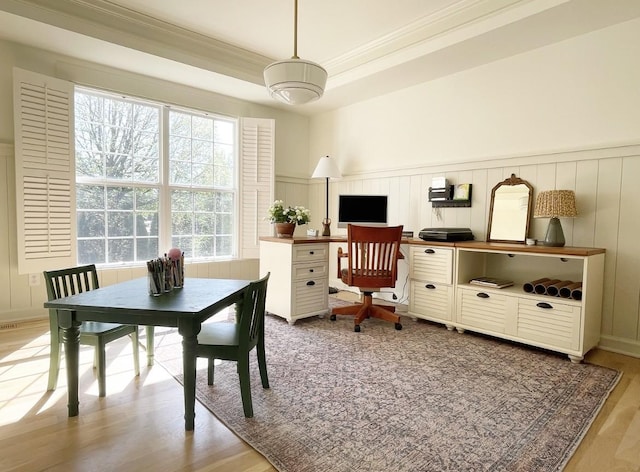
(326, 169)
(555, 204)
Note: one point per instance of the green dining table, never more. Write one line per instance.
(130, 303)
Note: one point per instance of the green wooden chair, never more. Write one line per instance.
(65, 282)
(234, 341)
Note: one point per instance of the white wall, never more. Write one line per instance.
(565, 116)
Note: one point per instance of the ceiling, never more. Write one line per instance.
(369, 47)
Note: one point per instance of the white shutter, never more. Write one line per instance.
(45, 196)
(257, 155)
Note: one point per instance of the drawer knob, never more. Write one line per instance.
(311, 252)
(310, 270)
(482, 295)
(544, 305)
(429, 251)
(430, 286)
(311, 283)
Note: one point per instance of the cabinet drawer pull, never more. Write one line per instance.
(429, 251)
(482, 295)
(430, 286)
(310, 283)
(544, 305)
(310, 270)
(311, 253)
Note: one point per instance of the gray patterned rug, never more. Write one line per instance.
(420, 399)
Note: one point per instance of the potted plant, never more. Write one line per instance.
(285, 219)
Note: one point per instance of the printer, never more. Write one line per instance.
(446, 234)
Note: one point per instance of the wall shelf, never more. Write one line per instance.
(451, 196)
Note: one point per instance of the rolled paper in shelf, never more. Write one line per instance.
(541, 288)
(576, 293)
(530, 286)
(565, 292)
(554, 290)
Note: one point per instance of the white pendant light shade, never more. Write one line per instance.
(295, 81)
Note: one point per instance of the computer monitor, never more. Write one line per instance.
(367, 210)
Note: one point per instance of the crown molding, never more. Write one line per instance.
(104, 20)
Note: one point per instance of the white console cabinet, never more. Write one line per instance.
(564, 325)
(299, 283)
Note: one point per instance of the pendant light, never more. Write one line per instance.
(295, 81)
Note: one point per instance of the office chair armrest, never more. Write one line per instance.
(341, 254)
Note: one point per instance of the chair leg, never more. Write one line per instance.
(262, 364)
(54, 365)
(210, 372)
(102, 369)
(245, 385)
(136, 351)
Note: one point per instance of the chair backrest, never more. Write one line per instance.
(65, 282)
(373, 255)
(251, 318)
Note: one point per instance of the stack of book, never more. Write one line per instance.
(491, 282)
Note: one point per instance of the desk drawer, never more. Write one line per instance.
(310, 252)
(432, 264)
(431, 300)
(311, 295)
(310, 270)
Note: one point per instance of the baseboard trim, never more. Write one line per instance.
(628, 347)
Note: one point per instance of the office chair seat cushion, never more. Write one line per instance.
(219, 334)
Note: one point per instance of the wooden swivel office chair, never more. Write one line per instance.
(234, 341)
(65, 282)
(372, 256)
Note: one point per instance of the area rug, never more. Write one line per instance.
(419, 399)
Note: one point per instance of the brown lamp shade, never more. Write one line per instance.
(555, 204)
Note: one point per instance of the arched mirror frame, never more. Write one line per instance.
(511, 181)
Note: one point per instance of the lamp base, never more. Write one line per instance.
(555, 235)
(326, 227)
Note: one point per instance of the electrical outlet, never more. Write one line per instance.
(34, 280)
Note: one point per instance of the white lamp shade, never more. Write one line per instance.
(326, 168)
(295, 81)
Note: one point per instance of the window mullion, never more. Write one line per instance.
(164, 229)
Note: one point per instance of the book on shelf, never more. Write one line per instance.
(491, 282)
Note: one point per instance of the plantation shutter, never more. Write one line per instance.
(45, 202)
(257, 155)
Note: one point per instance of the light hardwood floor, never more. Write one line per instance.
(139, 425)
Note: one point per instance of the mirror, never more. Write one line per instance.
(510, 211)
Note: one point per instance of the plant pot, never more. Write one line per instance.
(285, 230)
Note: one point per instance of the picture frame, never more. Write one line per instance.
(462, 192)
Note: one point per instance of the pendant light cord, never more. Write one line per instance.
(295, 30)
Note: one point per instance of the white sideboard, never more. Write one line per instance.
(440, 291)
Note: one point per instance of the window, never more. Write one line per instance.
(144, 178)
(135, 185)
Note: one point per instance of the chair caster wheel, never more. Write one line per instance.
(332, 317)
(398, 326)
(356, 328)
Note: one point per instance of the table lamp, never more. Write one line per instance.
(326, 169)
(555, 204)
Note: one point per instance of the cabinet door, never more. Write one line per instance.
(486, 310)
(549, 322)
(433, 301)
(431, 264)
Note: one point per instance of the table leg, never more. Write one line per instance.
(150, 344)
(71, 338)
(189, 331)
